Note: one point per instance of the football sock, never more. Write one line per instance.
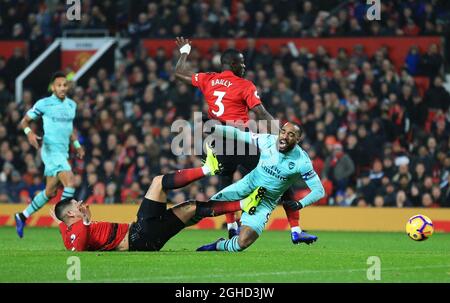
(182, 178)
(296, 229)
(38, 201)
(233, 225)
(68, 192)
(230, 218)
(216, 208)
(22, 217)
(229, 245)
(194, 220)
(292, 215)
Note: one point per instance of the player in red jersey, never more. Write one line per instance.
(230, 97)
(155, 224)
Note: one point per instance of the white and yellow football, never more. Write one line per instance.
(419, 227)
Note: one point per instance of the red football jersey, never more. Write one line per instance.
(229, 97)
(95, 236)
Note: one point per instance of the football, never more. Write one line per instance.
(419, 227)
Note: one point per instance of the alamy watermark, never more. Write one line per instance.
(374, 11)
(73, 272)
(374, 271)
(74, 10)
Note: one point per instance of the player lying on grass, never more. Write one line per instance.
(155, 224)
(280, 164)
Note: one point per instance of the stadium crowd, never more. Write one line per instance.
(376, 137)
(41, 21)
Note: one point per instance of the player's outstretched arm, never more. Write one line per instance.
(317, 191)
(229, 132)
(263, 114)
(32, 137)
(181, 71)
(312, 180)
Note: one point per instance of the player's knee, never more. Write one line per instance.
(157, 183)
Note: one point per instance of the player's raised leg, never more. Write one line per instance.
(181, 178)
(37, 203)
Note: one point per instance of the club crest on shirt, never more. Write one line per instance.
(291, 165)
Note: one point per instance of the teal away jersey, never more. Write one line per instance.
(57, 117)
(277, 171)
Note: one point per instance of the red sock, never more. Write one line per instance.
(182, 177)
(230, 217)
(221, 208)
(292, 215)
(217, 208)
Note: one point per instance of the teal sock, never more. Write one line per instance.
(68, 192)
(38, 201)
(229, 245)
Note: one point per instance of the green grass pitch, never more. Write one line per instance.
(335, 257)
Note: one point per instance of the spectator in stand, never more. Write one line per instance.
(437, 97)
(379, 201)
(339, 167)
(366, 188)
(446, 193)
(349, 197)
(412, 61)
(431, 63)
(401, 200)
(359, 99)
(15, 65)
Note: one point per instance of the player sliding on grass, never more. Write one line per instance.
(281, 162)
(230, 97)
(57, 113)
(155, 224)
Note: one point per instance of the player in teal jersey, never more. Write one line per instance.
(281, 163)
(57, 113)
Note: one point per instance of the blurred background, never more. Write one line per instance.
(372, 95)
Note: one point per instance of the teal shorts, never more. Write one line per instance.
(240, 190)
(236, 191)
(258, 220)
(54, 162)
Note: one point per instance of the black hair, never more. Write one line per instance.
(300, 129)
(58, 74)
(61, 206)
(230, 56)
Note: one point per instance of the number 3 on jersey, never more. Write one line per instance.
(219, 103)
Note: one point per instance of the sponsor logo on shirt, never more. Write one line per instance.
(274, 172)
